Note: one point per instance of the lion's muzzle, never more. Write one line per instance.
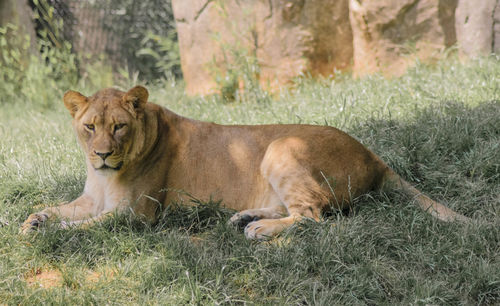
(106, 161)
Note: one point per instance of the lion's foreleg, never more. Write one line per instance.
(80, 209)
(85, 223)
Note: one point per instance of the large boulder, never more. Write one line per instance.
(389, 35)
(478, 27)
(286, 38)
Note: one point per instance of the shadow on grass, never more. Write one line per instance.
(450, 151)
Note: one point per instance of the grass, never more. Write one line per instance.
(439, 127)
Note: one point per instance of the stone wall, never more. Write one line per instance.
(286, 37)
(389, 35)
(291, 37)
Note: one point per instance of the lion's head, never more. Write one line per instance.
(109, 126)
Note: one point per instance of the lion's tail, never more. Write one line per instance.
(394, 181)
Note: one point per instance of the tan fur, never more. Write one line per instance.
(273, 174)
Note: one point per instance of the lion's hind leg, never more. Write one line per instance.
(302, 198)
(291, 178)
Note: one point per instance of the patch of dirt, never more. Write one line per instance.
(49, 278)
(44, 278)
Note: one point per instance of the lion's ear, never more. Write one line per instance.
(137, 97)
(74, 101)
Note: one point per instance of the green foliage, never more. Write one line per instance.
(36, 78)
(237, 78)
(151, 45)
(164, 52)
(55, 51)
(14, 59)
(51, 26)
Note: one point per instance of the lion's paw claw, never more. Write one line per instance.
(242, 220)
(34, 221)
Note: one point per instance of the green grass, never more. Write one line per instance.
(439, 127)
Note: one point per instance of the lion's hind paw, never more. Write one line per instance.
(241, 220)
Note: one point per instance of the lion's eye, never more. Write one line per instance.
(118, 127)
(91, 127)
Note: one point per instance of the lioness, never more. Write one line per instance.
(138, 153)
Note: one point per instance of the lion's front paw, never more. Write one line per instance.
(33, 221)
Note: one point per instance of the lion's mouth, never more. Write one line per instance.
(107, 167)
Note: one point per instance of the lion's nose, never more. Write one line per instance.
(103, 155)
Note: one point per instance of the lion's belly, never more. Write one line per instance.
(236, 188)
